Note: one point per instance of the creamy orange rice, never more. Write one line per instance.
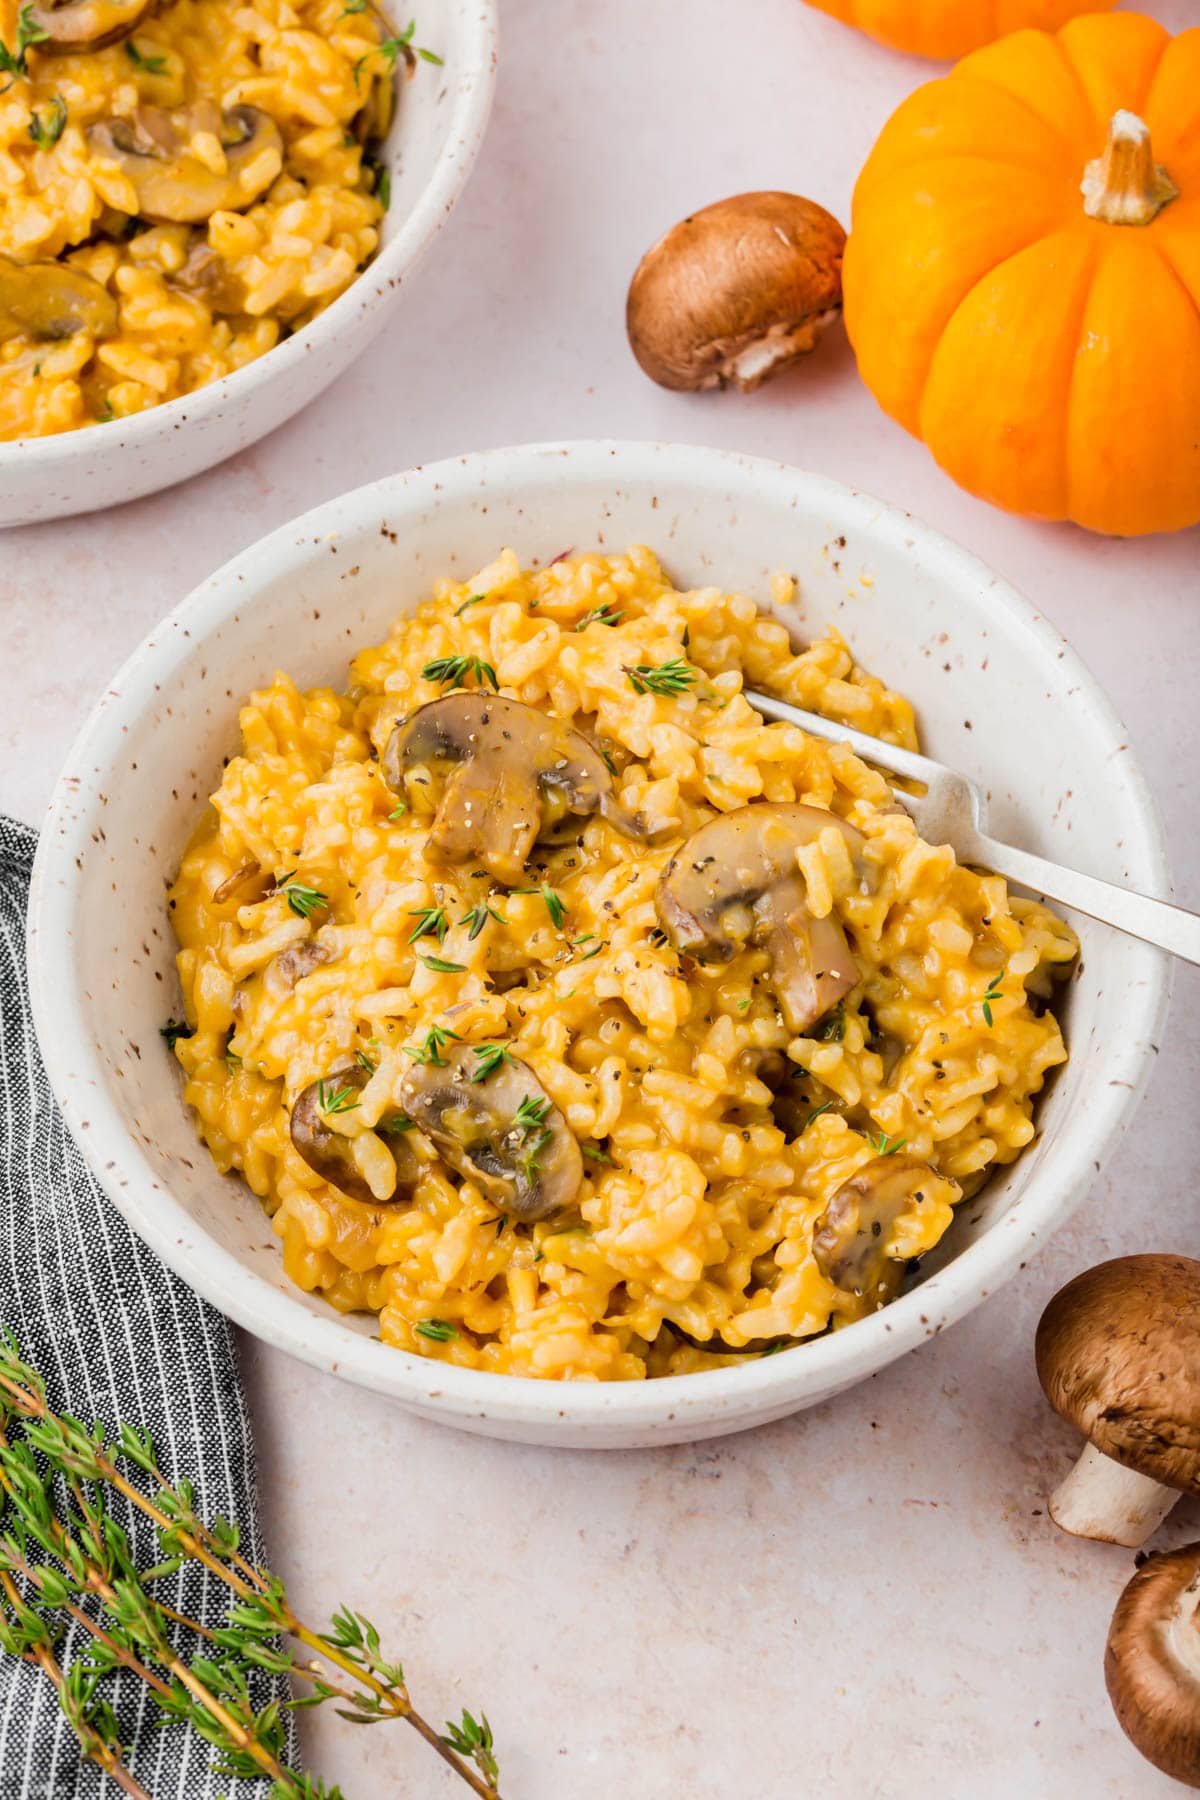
(295, 213)
(718, 1145)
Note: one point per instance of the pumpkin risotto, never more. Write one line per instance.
(180, 186)
(576, 1021)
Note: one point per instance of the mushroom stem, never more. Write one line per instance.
(1102, 1499)
(1125, 186)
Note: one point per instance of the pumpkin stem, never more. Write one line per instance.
(1126, 186)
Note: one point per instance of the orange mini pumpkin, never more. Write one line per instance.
(1022, 280)
(949, 28)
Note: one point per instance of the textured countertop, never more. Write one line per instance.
(867, 1598)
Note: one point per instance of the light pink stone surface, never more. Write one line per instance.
(867, 1598)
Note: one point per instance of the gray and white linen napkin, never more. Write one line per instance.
(117, 1338)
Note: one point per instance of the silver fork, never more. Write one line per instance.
(953, 811)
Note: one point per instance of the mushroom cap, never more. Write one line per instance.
(505, 774)
(736, 292)
(87, 24)
(1118, 1354)
(51, 300)
(174, 187)
(736, 881)
(1152, 1662)
(530, 1166)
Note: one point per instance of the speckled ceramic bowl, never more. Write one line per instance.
(999, 694)
(430, 151)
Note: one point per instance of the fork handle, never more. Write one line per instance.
(1172, 928)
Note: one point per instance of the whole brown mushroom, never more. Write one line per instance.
(736, 292)
(1152, 1663)
(1118, 1354)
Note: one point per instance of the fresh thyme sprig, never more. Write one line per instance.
(883, 1145)
(477, 918)
(153, 65)
(63, 1555)
(333, 1099)
(832, 1028)
(438, 1331)
(488, 1058)
(600, 615)
(436, 1039)
(473, 600)
(552, 900)
(441, 965)
(431, 922)
(674, 677)
(995, 990)
(452, 671)
(304, 901)
(46, 128)
(174, 1029)
(16, 62)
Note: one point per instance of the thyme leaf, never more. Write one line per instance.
(431, 922)
(46, 128)
(440, 965)
(174, 1029)
(452, 671)
(16, 62)
(488, 1058)
(335, 1100)
(436, 1039)
(439, 1331)
(666, 679)
(304, 901)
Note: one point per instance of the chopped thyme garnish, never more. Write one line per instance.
(594, 1153)
(600, 615)
(488, 1058)
(994, 992)
(28, 32)
(440, 1331)
(332, 1099)
(383, 187)
(46, 128)
(436, 1039)
(396, 1125)
(477, 918)
(833, 1029)
(174, 1029)
(452, 671)
(233, 1061)
(553, 902)
(153, 65)
(601, 944)
(404, 46)
(674, 677)
(530, 1114)
(304, 901)
(398, 811)
(473, 601)
(364, 1061)
(431, 922)
(883, 1145)
(440, 966)
(816, 1113)
(776, 1347)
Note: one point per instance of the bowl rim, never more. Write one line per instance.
(781, 1383)
(474, 84)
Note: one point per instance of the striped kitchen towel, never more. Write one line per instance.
(117, 1338)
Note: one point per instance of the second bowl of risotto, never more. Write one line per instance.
(208, 211)
(574, 1054)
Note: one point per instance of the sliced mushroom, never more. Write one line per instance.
(242, 880)
(292, 965)
(736, 882)
(330, 1154)
(849, 1239)
(52, 300)
(1152, 1662)
(504, 1133)
(86, 24)
(503, 774)
(175, 187)
(208, 277)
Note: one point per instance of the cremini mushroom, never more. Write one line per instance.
(86, 24)
(503, 1133)
(736, 882)
(851, 1236)
(243, 881)
(501, 775)
(52, 300)
(736, 292)
(292, 965)
(208, 277)
(174, 186)
(331, 1154)
(1118, 1355)
(1152, 1662)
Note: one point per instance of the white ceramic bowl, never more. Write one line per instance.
(439, 126)
(999, 694)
